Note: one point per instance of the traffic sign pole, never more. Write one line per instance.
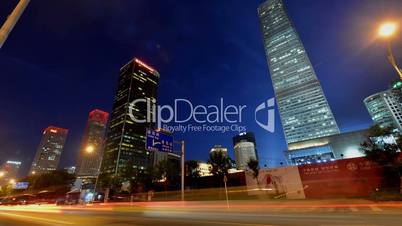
(182, 170)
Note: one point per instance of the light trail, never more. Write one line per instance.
(38, 220)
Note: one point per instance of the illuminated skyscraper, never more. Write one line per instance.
(125, 142)
(49, 151)
(304, 111)
(92, 144)
(385, 107)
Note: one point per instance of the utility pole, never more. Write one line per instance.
(182, 170)
(393, 62)
(12, 20)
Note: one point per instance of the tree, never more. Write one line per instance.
(221, 164)
(254, 166)
(58, 179)
(168, 171)
(384, 154)
(140, 179)
(193, 173)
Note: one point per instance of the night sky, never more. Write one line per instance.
(63, 57)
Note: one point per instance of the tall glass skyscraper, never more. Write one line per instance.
(49, 151)
(125, 141)
(385, 107)
(303, 108)
(91, 152)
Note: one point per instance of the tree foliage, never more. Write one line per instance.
(221, 163)
(168, 171)
(385, 155)
(254, 166)
(52, 180)
(192, 173)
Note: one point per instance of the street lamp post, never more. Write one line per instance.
(12, 20)
(386, 31)
(182, 168)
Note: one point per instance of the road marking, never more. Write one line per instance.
(223, 223)
(375, 208)
(36, 219)
(353, 209)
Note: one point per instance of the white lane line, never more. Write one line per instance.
(39, 220)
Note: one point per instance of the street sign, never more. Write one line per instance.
(159, 141)
(21, 185)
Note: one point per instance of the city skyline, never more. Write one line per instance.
(269, 142)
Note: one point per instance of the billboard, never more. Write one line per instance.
(21, 185)
(159, 141)
(356, 177)
(282, 182)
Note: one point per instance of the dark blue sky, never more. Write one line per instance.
(63, 57)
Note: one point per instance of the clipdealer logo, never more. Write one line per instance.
(198, 118)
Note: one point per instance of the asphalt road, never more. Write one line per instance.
(202, 214)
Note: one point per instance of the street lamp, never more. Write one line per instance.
(2, 173)
(11, 181)
(386, 31)
(90, 149)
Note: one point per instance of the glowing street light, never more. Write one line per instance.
(2, 173)
(386, 31)
(90, 149)
(11, 181)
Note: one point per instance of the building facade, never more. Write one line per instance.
(244, 149)
(325, 149)
(91, 152)
(218, 148)
(385, 108)
(125, 141)
(304, 110)
(49, 151)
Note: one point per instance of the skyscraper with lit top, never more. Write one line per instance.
(91, 152)
(49, 151)
(303, 108)
(125, 141)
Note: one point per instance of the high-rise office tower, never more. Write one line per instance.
(244, 149)
(49, 151)
(125, 141)
(91, 152)
(385, 107)
(218, 148)
(303, 108)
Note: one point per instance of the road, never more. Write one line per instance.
(205, 214)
